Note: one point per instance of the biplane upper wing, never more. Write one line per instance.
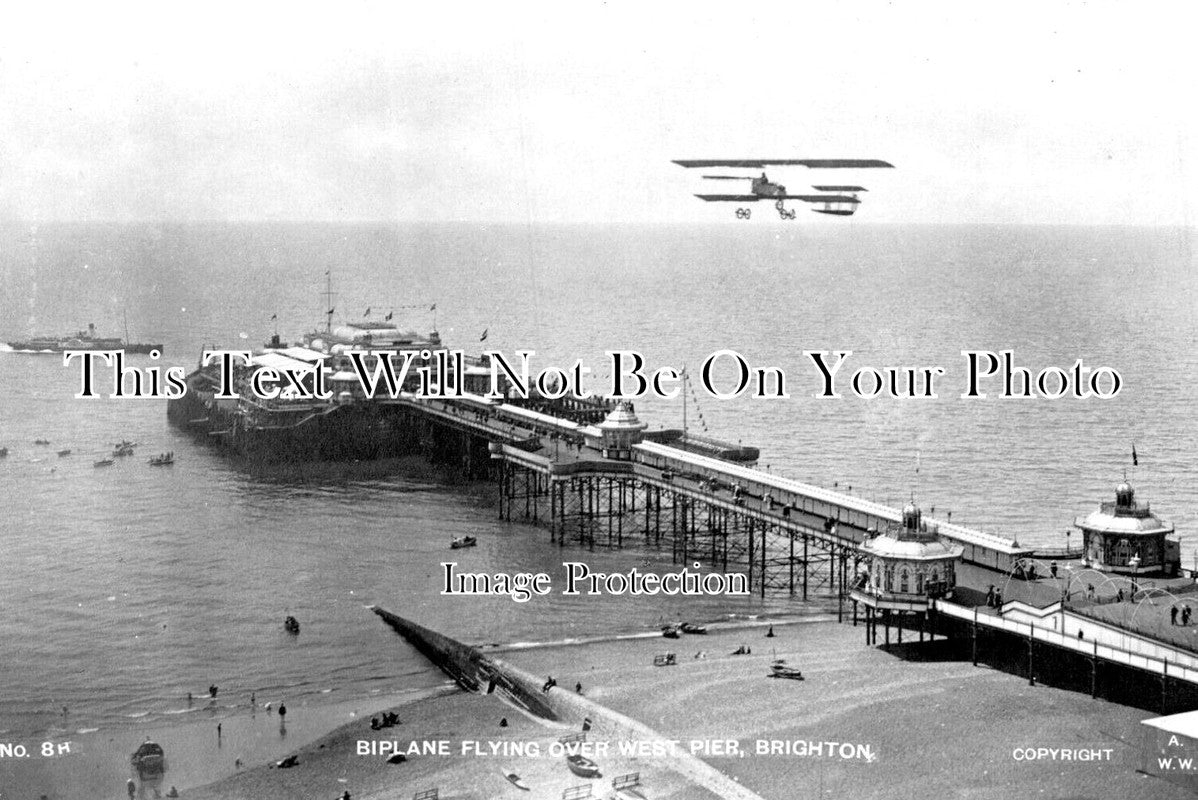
(761, 163)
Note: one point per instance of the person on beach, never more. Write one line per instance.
(212, 690)
(131, 787)
(1173, 615)
(578, 687)
(282, 710)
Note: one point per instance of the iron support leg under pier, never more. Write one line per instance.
(1031, 666)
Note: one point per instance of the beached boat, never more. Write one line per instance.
(582, 766)
(148, 760)
(291, 625)
(514, 780)
(696, 629)
(671, 631)
(103, 462)
(463, 541)
(162, 460)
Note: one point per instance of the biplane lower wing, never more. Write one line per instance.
(753, 198)
(731, 198)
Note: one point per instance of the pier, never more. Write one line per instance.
(784, 535)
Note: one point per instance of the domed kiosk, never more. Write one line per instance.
(907, 567)
(616, 435)
(1126, 538)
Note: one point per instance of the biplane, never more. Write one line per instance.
(835, 199)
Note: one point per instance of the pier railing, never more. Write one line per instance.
(1158, 665)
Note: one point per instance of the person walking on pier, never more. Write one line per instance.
(1185, 615)
(1053, 569)
(990, 597)
(1173, 615)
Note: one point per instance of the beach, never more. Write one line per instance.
(864, 723)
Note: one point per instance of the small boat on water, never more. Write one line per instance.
(104, 462)
(148, 760)
(41, 441)
(779, 669)
(582, 766)
(291, 625)
(62, 453)
(162, 459)
(463, 541)
(514, 779)
(122, 450)
(3, 452)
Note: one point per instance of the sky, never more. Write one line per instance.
(1051, 112)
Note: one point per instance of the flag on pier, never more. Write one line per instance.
(1135, 460)
(433, 307)
(330, 311)
(274, 316)
(389, 315)
(483, 338)
(367, 314)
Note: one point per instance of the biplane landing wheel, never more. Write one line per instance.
(744, 213)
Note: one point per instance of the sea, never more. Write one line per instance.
(128, 587)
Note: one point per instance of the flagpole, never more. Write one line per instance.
(328, 297)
